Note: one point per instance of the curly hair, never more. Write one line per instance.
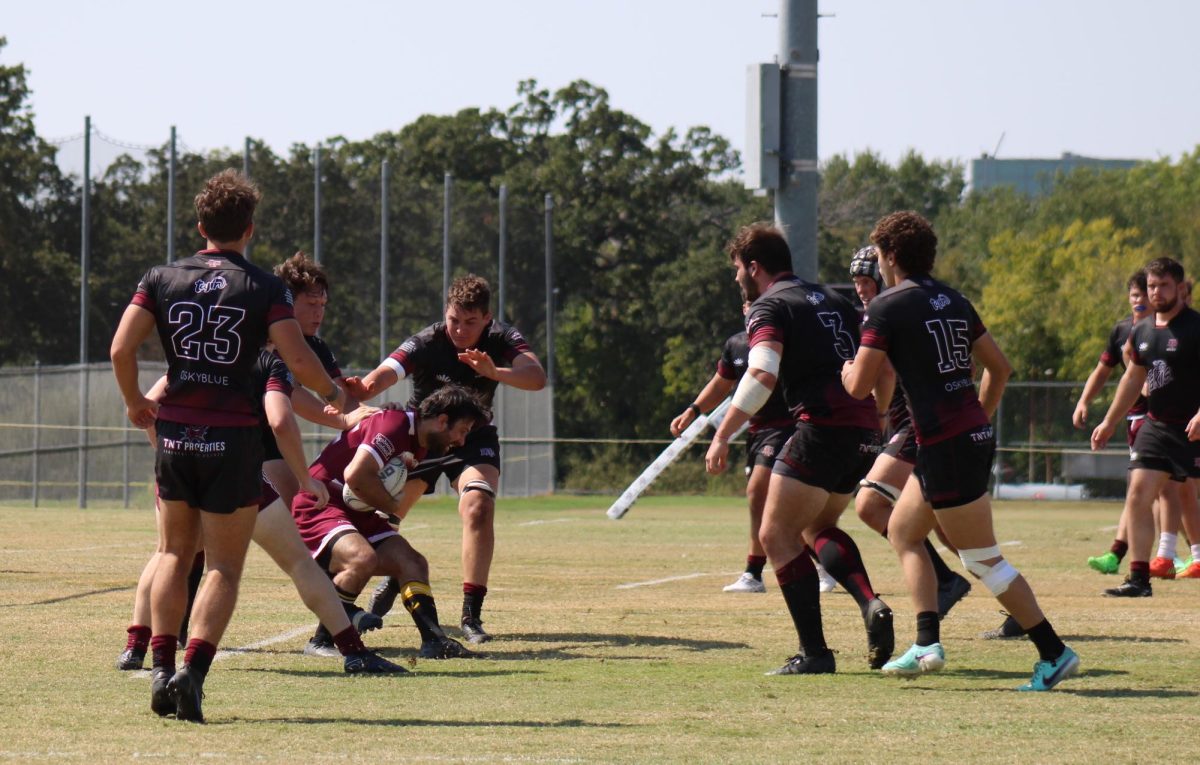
(225, 207)
(457, 403)
(470, 293)
(301, 274)
(1161, 267)
(763, 243)
(909, 238)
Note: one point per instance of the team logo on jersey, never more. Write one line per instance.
(487, 451)
(408, 346)
(444, 379)
(1172, 344)
(939, 302)
(1159, 375)
(213, 263)
(383, 446)
(816, 298)
(516, 335)
(1143, 346)
(739, 362)
(195, 434)
(212, 285)
(768, 451)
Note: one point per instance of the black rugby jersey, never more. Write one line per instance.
(927, 330)
(733, 364)
(325, 356)
(1113, 355)
(430, 360)
(271, 374)
(212, 311)
(898, 414)
(1171, 355)
(819, 332)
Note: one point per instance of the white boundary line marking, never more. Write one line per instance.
(1108, 528)
(548, 520)
(146, 545)
(653, 582)
(227, 653)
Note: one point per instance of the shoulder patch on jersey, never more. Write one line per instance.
(939, 302)
(1172, 344)
(408, 346)
(816, 298)
(383, 446)
(1143, 346)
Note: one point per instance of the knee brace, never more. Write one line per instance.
(887, 491)
(481, 486)
(997, 577)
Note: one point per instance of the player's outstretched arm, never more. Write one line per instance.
(303, 363)
(377, 381)
(860, 374)
(996, 371)
(136, 325)
(713, 393)
(309, 407)
(362, 476)
(287, 438)
(1127, 392)
(525, 373)
(1091, 389)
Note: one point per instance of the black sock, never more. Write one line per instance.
(839, 555)
(801, 591)
(940, 569)
(754, 565)
(417, 598)
(347, 599)
(321, 636)
(928, 628)
(1049, 645)
(472, 605)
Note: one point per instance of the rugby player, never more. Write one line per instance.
(471, 349)
(930, 334)
(213, 313)
(356, 545)
(800, 333)
(1164, 356)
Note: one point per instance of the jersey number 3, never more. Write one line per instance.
(209, 333)
(843, 341)
(953, 343)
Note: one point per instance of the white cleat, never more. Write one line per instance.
(746, 583)
(828, 583)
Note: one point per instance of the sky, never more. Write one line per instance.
(946, 78)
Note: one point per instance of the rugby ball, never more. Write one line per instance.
(393, 475)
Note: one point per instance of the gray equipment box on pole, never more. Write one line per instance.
(762, 126)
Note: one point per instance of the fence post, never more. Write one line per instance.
(448, 184)
(171, 201)
(85, 268)
(125, 469)
(502, 251)
(550, 329)
(317, 203)
(37, 426)
(246, 172)
(997, 467)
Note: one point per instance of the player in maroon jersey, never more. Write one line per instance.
(356, 545)
(930, 334)
(213, 313)
(800, 333)
(1164, 356)
(472, 349)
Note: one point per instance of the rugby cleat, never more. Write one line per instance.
(131, 658)
(1192, 571)
(162, 696)
(827, 582)
(365, 621)
(745, 583)
(917, 661)
(881, 637)
(188, 688)
(370, 663)
(1009, 629)
(321, 648)
(445, 648)
(1047, 674)
(1108, 563)
(950, 592)
(1131, 588)
(817, 664)
(384, 597)
(472, 630)
(1162, 568)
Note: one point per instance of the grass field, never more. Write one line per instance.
(586, 668)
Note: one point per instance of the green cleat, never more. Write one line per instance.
(1047, 674)
(1181, 565)
(917, 660)
(1108, 563)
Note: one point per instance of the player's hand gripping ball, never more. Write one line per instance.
(393, 475)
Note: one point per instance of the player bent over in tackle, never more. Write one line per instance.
(800, 334)
(930, 333)
(355, 545)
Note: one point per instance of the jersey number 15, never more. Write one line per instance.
(953, 343)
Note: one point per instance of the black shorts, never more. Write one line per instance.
(481, 448)
(1165, 447)
(764, 446)
(902, 445)
(830, 458)
(216, 469)
(955, 472)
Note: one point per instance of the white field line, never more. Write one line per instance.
(226, 653)
(1109, 528)
(548, 520)
(652, 582)
(79, 549)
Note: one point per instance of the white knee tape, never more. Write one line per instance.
(481, 486)
(996, 578)
(885, 490)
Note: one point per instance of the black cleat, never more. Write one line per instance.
(188, 689)
(950, 592)
(370, 663)
(365, 621)
(817, 664)
(1131, 588)
(131, 658)
(445, 648)
(1006, 631)
(881, 636)
(472, 630)
(384, 597)
(162, 695)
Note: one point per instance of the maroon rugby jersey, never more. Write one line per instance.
(732, 365)
(1113, 355)
(927, 330)
(1172, 357)
(819, 332)
(430, 360)
(212, 311)
(384, 435)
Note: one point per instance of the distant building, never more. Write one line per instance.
(1034, 176)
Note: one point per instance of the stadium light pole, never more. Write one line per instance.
(85, 268)
(317, 203)
(448, 184)
(550, 290)
(171, 200)
(796, 197)
(385, 172)
(246, 172)
(502, 251)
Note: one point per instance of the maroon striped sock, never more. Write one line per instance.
(840, 557)
(139, 637)
(1119, 548)
(348, 641)
(162, 648)
(199, 655)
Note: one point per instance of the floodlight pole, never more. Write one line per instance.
(796, 197)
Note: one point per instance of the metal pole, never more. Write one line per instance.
(317, 203)
(125, 470)
(449, 183)
(385, 174)
(85, 268)
(246, 172)
(997, 468)
(503, 248)
(171, 201)
(796, 197)
(37, 427)
(550, 332)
